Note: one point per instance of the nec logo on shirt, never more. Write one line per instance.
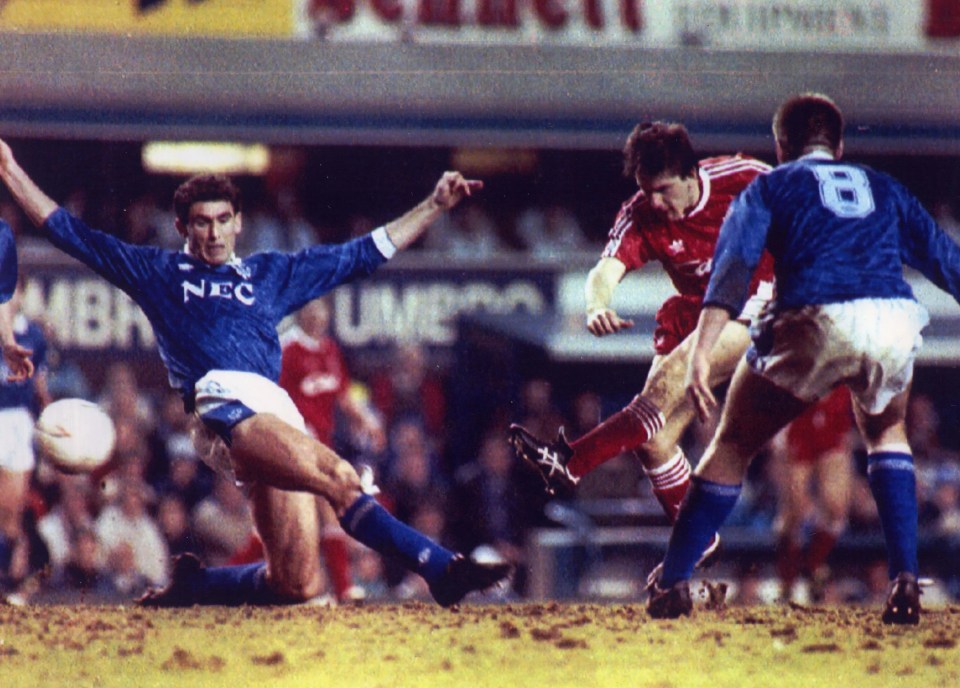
(210, 289)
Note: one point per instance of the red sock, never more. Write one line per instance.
(818, 549)
(788, 555)
(333, 546)
(670, 483)
(249, 552)
(626, 429)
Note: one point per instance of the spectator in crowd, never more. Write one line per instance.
(124, 573)
(467, 233)
(72, 513)
(174, 522)
(412, 476)
(142, 221)
(550, 231)
(540, 413)
(187, 477)
(409, 386)
(487, 506)
(122, 397)
(278, 226)
(170, 434)
(83, 578)
(65, 378)
(222, 522)
(131, 539)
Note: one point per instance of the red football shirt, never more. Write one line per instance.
(314, 374)
(685, 247)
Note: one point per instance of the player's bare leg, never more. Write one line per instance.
(562, 465)
(834, 477)
(794, 505)
(890, 472)
(288, 526)
(13, 547)
(266, 449)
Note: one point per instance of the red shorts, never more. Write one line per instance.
(821, 428)
(676, 319)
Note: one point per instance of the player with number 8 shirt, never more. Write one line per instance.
(840, 234)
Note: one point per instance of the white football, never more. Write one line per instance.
(76, 435)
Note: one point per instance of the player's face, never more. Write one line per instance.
(212, 230)
(670, 194)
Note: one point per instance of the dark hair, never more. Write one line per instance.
(805, 120)
(202, 188)
(657, 147)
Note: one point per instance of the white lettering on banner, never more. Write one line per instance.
(754, 23)
(88, 314)
(426, 313)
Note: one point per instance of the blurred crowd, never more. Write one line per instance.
(108, 536)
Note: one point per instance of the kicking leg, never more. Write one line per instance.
(561, 465)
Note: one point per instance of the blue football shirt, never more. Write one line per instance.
(837, 231)
(209, 317)
(8, 262)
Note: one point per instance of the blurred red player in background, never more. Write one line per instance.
(815, 493)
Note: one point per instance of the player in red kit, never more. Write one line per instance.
(674, 219)
(817, 448)
(314, 373)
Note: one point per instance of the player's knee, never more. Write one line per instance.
(345, 486)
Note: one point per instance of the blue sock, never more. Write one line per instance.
(6, 554)
(371, 524)
(894, 486)
(235, 585)
(705, 508)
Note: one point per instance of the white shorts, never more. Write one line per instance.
(16, 447)
(868, 344)
(224, 398)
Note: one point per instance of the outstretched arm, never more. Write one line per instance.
(34, 202)
(449, 191)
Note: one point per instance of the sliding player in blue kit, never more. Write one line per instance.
(839, 234)
(215, 318)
